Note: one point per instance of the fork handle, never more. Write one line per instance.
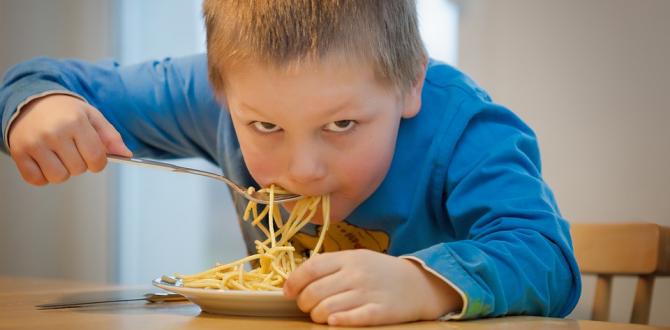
(141, 162)
(170, 167)
(174, 168)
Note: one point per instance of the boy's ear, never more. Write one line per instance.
(412, 99)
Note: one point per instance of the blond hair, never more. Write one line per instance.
(281, 32)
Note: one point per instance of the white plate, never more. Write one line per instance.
(231, 302)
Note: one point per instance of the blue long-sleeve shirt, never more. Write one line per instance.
(464, 195)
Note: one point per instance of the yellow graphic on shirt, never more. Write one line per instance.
(343, 236)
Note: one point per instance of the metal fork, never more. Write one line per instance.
(257, 197)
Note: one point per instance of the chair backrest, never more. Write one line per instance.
(609, 249)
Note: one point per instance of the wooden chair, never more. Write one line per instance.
(637, 249)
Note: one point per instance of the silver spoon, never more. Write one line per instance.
(257, 197)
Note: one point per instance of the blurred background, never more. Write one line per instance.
(591, 77)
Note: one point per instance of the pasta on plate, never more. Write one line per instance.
(276, 257)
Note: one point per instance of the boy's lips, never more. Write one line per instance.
(317, 188)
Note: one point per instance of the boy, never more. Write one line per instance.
(437, 193)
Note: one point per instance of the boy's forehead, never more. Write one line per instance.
(258, 91)
(334, 67)
(333, 59)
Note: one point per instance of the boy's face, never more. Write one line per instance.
(318, 128)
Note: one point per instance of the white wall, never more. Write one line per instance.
(593, 79)
(62, 230)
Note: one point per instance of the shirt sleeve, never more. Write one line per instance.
(163, 109)
(513, 253)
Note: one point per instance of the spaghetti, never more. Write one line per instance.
(276, 257)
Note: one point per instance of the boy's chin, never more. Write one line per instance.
(336, 215)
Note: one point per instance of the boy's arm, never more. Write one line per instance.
(163, 109)
(515, 256)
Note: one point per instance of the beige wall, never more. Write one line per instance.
(62, 230)
(593, 79)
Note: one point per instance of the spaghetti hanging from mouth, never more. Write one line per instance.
(276, 257)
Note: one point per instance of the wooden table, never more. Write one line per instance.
(18, 296)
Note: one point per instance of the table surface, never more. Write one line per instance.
(18, 297)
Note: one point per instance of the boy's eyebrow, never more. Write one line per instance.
(252, 109)
(328, 112)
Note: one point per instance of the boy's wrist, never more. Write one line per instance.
(440, 298)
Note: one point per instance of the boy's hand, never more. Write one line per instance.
(362, 287)
(58, 136)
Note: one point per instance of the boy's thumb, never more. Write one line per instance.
(117, 147)
(109, 136)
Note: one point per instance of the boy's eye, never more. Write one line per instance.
(340, 125)
(265, 127)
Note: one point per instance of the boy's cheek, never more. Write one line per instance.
(366, 169)
(262, 175)
(263, 169)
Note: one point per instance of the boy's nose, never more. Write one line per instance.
(306, 167)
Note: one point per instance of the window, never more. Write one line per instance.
(169, 222)
(438, 23)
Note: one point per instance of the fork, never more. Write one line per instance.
(257, 197)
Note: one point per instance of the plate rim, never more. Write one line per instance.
(204, 297)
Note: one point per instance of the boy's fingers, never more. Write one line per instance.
(321, 289)
(313, 269)
(340, 302)
(30, 171)
(91, 149)
(365, 315)
(70, 156)
(109, 136)
(52, 167)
